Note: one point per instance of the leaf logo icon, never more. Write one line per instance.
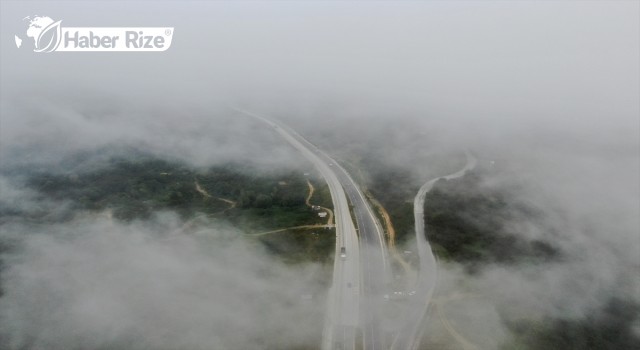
(49, 38)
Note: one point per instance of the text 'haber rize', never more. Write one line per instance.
(133, 39)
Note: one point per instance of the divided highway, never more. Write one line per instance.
(361, 278)
(343, 314)
(374, 269)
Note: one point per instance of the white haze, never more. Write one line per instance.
(96, 284)
(548, 89)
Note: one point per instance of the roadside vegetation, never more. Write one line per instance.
(610, 329)
(395, 191)
(251, 200)
(134, 188)
(469, 223)
(302, 244)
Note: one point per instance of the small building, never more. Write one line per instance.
(322, 214)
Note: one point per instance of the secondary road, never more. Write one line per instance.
(408, 337)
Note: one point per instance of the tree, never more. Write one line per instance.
(263, 201)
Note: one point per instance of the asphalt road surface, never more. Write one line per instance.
(361, 278)
(408, 338)
(343, 314)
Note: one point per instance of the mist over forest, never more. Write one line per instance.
(542, 238)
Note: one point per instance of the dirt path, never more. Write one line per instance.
(410, 274)
(206, 194)
(311, 190)
(290, 228)
(308, 203)
(202, 191)
(391, 233)
(231, 203)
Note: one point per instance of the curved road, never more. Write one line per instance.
(375, 272)
(349, 304)
(408, 337)
(360, 279)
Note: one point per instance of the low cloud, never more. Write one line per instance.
(549, 91)
(97, 284)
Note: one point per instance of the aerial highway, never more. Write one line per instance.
(408, 338)
(374, 269)
(362, 275)
(343, 313)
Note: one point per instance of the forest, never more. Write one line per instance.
(254, 201)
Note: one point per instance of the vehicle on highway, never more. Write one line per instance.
(343, 253)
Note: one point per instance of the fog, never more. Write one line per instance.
(549, 91)
(96, 284)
